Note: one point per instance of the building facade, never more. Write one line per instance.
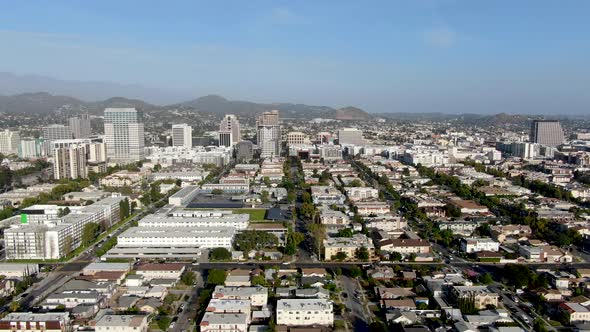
(229, 131)
(124, 134)
(268, 131)
(80, 126)
(547, 133)
(182, 135)
(9, 141)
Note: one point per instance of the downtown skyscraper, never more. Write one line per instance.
(547, 132)
(268, 134)
(124, 135)
(229, 131)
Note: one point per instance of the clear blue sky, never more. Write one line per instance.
(384, 56)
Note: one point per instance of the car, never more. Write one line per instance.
(171, 326)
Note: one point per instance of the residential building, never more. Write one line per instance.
(481, 295)
(361, 193)
(70, 162)
(575, 312)
(347, 245)
(350, 136)
(475, 244)
(56, 132)
(9, 141)
(182, 135)
(31, 148)
(124, 134)
(326, 195)
(111, 322)
(269, 134)
(371, 208)
(405, 246)
(230, 322)
(305, 312)
(257, 295)
(547, 132)
(36, 322)
(161, 271)
(80, 126)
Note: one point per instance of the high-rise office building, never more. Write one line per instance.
(70, 162)
(350, 136)
(182, 135)
(9, 141)
(268, 134)
(124, 134)
(56, 132)
(547, 132)
(229, 131)
(80, 126)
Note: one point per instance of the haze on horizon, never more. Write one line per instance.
(454, 56)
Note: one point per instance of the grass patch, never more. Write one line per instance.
(255, 214)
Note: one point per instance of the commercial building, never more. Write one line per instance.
(350, 136)
(212, 218)
(176, 237)
(171, 155)
(229, 131)
(124, 134)
(296, 137)
(56, 132)
(547, 132)
(305, 312)
(80, 126)
(182, 135)
(9, 141)
(244, 151)
(268, 132)
(55, 238)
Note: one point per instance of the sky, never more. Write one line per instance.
(526, 56)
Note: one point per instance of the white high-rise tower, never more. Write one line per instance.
(229, 131)
(124, 134)
(182, 135)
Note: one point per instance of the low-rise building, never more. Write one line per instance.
(305, 312)
(347, 245)
(481, 295)
(257, 295)
(326, 195)
(36, 322)
(121, 323)
(475, 244)
(405, 246)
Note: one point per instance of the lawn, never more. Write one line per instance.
(255, 214)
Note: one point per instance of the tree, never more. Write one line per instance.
(258, 240)
(362, 253)
(124, 209)
(266, 181)
(307, 209)
(293, 240)
(412, 257)
(346, 232)
(188, 278)
(453, 211)
(259, 281)
(486, 278)
(291, 196)
(341, 256)
(264, 197)
(220, 254)
(62, 212)
(216, 277)
(306, 197)
(318, 233)
(395, 256)
(355, 183)
(355, 272)
(539, 326)
(216, 192)
(68, 245)
(14, 306)
(89, 233)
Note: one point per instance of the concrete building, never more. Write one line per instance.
(257, 295)
(70, 162)
(124, 134)
(121, 323)
(305, 312)
(347, 245)
(80, 126)
(547, 132)
(244, 151)
(296, 137)
(31, 148)
(176, 237)
(182, 135)
(183, 196)
(475, 244)
(268, 132)
(9, 141)
(229, 131)
(57, 237)
(351, 136)
(36, 322)
(56, 132)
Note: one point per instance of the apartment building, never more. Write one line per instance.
(257, 295)
(161, 271)
(371, 208)
(230, 322)
(9, 141)
(326, 195)
(476, 244)
(328, 216)
(361, 193)
(305, 312)
(347, 245)
(481, 295)
(111, 322)
(405, 246)
(36, 322)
